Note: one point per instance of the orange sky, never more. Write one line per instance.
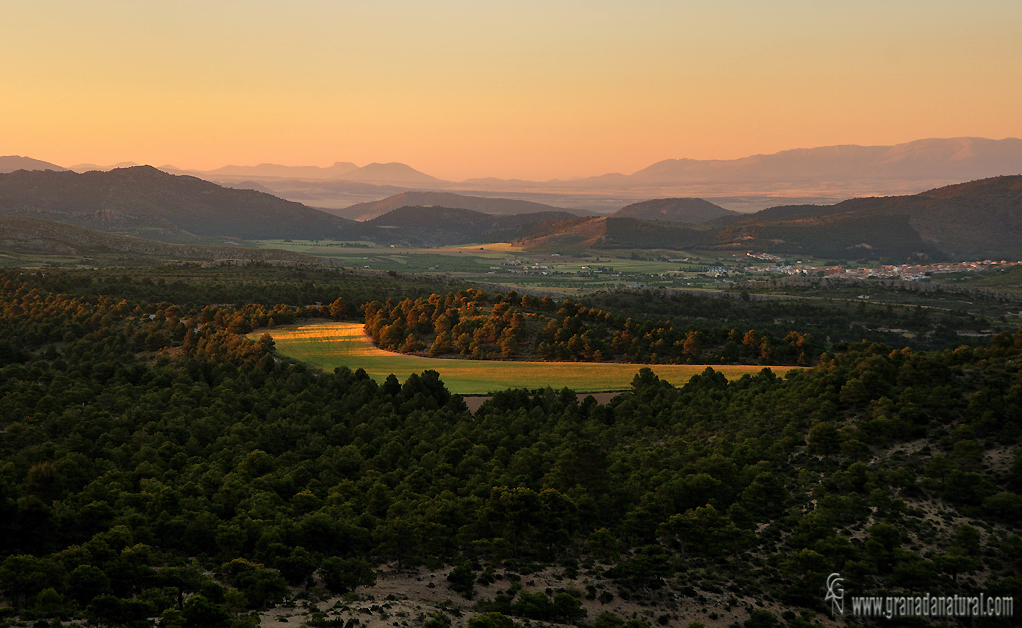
(508, 89)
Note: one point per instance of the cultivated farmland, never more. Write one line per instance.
(328, 345)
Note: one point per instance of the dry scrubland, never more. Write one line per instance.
(402, 598)
(328, 345)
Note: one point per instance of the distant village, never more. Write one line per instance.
(907, 272)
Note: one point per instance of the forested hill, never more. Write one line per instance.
(965, 221)
(155, 463)
(145, 202)
(492, 206)
(687, 210)
(34, 237)
(439, 226)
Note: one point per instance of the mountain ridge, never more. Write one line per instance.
(147, 202)
(976, 219)
(493, 206)
(962, 158)
(440, 226)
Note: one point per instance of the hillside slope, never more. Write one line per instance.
(968, 220)
(145, 202)
(439, 226)
(611, 232)
(505, 206)
(687, 210)
(20, 235)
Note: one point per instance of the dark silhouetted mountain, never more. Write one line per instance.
(968, 220)
(12, 163)
(503, 206)
(439, 226)
(688, 210)
(146, 202)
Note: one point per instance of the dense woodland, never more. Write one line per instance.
(474, 324)
(155, 464)
(646, 327)
(929, 323)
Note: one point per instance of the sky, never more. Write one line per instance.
(524, 89)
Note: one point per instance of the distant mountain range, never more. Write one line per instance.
(952, 159)
(382, 174)
(807, 175)
(12, 163)
(981, 219)
(955, 159)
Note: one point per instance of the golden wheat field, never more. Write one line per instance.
(329, 344)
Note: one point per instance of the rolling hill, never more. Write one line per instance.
(504, 206)
(29, 236)
(440, 226)
(687, 210)
(146, 202)
(979, 219)
(612, 232)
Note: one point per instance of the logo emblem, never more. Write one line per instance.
(835, 594)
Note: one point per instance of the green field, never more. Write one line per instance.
(328, 345)
(504, 264)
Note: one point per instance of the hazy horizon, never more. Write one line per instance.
(325, 167)
(526, 90)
